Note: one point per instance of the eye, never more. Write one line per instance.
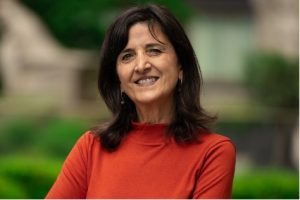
(126, 56)
(154, 51)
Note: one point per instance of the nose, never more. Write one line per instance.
(142, 64)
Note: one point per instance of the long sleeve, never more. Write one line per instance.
(72, 180)
(216, 175)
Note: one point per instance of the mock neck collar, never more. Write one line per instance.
(145, 133)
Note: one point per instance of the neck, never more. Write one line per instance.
(155, 114)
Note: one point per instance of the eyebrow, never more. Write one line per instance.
(126, 51)
(155, 44)
(147, 46)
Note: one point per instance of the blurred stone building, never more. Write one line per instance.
(277, 25)
(34, 65)
(224, 34)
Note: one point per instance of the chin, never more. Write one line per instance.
(147, 99)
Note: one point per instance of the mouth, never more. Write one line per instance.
(146, 81)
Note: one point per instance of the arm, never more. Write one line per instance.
(72, 180)
(216, 175)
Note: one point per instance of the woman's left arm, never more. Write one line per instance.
(71, 183)
(216, 175)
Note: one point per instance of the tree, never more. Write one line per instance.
(83, 23)
(274, 80)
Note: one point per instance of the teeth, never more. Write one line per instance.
(146, 81)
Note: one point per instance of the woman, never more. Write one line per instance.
(158, 144)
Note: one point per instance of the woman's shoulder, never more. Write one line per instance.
(208, 136)
(88, 138)
(89, 135)
(212, 140)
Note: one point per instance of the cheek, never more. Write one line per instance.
(173, 73)
(120, 73)
(174, 76)
(123, 75)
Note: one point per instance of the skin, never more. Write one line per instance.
(148, 70)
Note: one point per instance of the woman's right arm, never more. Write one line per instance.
(72, 180)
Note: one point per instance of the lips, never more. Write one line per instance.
(146, 81)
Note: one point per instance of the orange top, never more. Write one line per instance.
(147, 166)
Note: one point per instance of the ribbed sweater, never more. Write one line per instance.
(146, 165)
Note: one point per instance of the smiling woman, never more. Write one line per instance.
(148, 70)
(158, 145)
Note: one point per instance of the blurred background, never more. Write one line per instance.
(248, 51)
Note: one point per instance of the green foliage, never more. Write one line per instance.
(41, 146)
(267, 183)
(27, 177)
(16, 134)
(58, 136)
(274, 79)
(53, 137)
(84, 23)
(10, 189)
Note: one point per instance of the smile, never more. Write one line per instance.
(146, 81)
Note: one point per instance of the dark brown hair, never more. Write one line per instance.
(189, 115)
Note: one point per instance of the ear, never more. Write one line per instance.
(121, 88)
(180, 76)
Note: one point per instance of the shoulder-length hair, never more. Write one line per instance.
(189, 115)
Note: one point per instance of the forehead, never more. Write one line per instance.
(142, 32)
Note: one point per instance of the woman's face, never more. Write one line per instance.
(148, 69)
